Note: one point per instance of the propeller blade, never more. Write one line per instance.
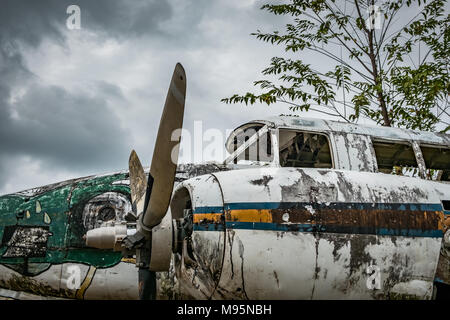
(138, 183)
(165, 153)
(148, 240)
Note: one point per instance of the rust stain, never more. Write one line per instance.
(375, 218)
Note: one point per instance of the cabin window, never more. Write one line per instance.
(437, 162)
(304, 149)
(396, 158)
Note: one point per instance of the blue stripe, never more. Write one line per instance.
(447, 212)
(319, 228)
(315, 205)
(209, 227)
(208, 210)
(335, 205)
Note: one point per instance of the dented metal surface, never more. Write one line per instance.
(203, 264)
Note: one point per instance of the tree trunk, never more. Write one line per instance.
(377, 80)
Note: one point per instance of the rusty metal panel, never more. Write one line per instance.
(354, 152)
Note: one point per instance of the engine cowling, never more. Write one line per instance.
(197, 207)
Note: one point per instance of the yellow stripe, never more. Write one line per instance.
(246, 215)
(250, 215)
(86, 282)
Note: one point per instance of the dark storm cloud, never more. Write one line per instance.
(31, 21)
(70, 130)
(62, 129)
(125, 17)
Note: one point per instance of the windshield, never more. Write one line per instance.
(252, 144)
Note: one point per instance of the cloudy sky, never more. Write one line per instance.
(75, 102)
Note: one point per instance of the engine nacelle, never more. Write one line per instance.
(198, 255)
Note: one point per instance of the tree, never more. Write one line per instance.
(394, 75)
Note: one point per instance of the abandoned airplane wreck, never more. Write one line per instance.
(322, 210)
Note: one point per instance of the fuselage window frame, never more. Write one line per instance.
(416, 151)
(435, 146)
(242, 149)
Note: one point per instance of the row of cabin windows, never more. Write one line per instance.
(312, 150)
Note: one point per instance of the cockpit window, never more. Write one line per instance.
(304, 149)
(260, 150)
(437, 162)
(396, 158)
(242, 135)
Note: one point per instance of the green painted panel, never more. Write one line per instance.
(60, 209)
